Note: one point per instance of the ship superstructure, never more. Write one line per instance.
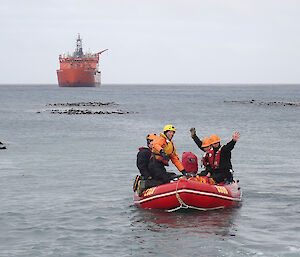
(80, 69)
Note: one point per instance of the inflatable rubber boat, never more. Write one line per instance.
(190, 193)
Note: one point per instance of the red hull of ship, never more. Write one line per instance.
(78, 78)
(79, 69)
(189, 193)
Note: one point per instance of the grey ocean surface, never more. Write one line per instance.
(66, 180)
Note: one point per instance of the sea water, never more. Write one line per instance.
(66, 180)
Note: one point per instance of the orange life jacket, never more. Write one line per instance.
(163, 143)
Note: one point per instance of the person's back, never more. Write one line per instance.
(142, 161)
(143, 158)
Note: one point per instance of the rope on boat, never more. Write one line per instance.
(183, 205)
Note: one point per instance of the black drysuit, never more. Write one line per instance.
(223, 172)
(142, 162)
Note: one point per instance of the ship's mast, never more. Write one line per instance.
(78, 51)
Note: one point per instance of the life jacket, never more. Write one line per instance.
(213, 158)
(190, 162)
(163, 143)
(204, 179)
(205, 159)
(167, 146)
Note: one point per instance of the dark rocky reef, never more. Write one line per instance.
(2, 146)
(274, 103)
(95, 104)
(80, 110)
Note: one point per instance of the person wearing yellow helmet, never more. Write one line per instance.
(164, 150)
(169, 128)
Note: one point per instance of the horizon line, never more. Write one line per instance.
(159, 84)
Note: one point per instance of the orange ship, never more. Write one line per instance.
(80, 69)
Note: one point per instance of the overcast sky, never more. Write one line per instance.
(157, 41)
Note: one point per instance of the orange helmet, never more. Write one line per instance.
(214, 139)
(206, 142)
(151, 136)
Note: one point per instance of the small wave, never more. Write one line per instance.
(294, 249)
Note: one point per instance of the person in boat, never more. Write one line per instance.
(196, 138)
(145, 180)
(164, 150)
(205, 146)
(144, 155)
(219, 158)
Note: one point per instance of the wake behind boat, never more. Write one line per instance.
(190, 193)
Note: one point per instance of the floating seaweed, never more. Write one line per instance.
(273, 103)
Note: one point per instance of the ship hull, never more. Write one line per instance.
(78, 78)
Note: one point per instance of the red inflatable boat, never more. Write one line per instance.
(194, 193)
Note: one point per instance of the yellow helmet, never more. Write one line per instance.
(150, 136)
(206, 142)
(214, 139)
(169, 127)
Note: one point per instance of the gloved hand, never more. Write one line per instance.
(164, 155)
(193, 132)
